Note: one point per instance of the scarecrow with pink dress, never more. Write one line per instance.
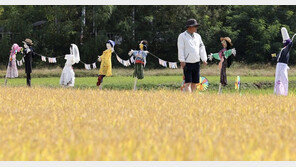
(12, 71)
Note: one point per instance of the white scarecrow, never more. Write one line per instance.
(281, 75)
(68, 75)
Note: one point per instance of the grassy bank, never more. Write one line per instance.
(249, 84)
(210, 70)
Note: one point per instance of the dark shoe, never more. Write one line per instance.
(29, 83)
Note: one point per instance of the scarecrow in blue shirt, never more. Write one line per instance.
(140, 61)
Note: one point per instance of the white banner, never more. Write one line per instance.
(52, 60)
(132, 59)
(19, 63)
(87, 66)
(43, 58)
(94, 65)
(162, 63)
(173, 65)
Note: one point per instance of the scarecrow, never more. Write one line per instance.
(106, 64)
(68, 75)
(29, 54)
(281, 82)
(224, 56)
(12, 71)
(140, 61)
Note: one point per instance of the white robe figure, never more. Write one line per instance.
(281, 82)
(68, 75)
(281, 79)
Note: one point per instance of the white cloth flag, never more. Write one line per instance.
(163, 63)
(43, 58)
(94, 65)
(123, 62)
(87, 66)
(173, 65)
(132, 59)
(19, 63)
(126, 63)
(52, 60)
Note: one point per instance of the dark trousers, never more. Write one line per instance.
(223, 76)
(191, 72)
(28, 79)
(100, 79)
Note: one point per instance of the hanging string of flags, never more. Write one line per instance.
(43, 58)
(89, 66)
(51, 60)
(131, 60)
(54, 60)
(125, 63)
(164, 63)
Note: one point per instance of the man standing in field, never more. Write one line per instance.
(191, 50)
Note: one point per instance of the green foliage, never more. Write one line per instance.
(255, 30)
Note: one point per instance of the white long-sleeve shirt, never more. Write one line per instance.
(191, 48)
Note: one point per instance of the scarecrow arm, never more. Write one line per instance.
(290, 45)
(228, 53)
(34, 54)
(130, 53)
(216, 56)
(293, 37)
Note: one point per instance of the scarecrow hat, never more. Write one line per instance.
(226, 39)
(191, 23)
(28, 41)
(285, 34)
(111, 42)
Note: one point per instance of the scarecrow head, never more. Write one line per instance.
(27, 43)
(74, 56)
(286, 37)
(226, 42)
(143, 45)
(15, 47)
(110, 44)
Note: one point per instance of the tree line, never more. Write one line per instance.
(254, 30)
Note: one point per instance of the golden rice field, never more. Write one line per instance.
(73, 124)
